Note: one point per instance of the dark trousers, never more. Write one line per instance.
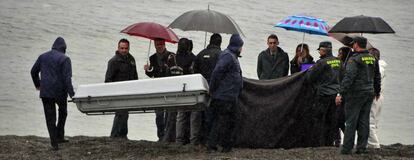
(160, 122)
(170, 127)
(223, 119)
(56, 132)
(120, 125)
(189, 127)
(325, 121)
(357, 110)
(340, 122)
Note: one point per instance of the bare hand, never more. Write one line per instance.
(338, 100)
(146, 67)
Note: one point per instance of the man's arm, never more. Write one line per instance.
(110, 72)
(286, 65)
(67, 75)
(219, 72)
(259, 66)
(35, 74)
(314, 73)
(377, 80)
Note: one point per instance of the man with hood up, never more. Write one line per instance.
(324, 76)
(55, 84)
(226, 84)
(121, 67)
(273, 62)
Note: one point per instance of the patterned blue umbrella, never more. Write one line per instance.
(305, 24)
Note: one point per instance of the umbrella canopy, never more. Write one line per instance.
(362, 24)
(151, 31)
(346, 39)
(305, 24)
(206, 20)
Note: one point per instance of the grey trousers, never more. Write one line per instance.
(357, 110)
(189, 125)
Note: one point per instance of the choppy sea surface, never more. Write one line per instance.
(91, 30)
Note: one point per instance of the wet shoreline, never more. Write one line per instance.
(83, 147)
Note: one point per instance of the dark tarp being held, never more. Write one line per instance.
(278, 114)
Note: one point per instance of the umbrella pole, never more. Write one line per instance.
(205, 39)
(149, 50)
(303, 39)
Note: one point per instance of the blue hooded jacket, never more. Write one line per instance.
(226, 80)
(55, 71)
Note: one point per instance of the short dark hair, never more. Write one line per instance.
(361, 41)
(123, 40)
(215, 39)
(272, 36)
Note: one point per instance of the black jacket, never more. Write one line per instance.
(156, 69)
(206, 60)
(184, 61)
(267, 68)
(121, 68)
(361, 76)
(324, 75)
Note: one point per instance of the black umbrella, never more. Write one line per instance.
(362, 24)
(206, 20)
(347, 38)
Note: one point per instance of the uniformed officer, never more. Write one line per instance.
(324, 75)
(360, 84)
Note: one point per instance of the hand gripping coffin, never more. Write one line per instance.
(187, 92)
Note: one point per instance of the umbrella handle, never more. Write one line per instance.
(149, 50)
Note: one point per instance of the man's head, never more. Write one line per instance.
(59, 45)
(272, 42)
(215, 39)
(159, 45)
(235, 44)
(325, 48)
(359, 43)
(123, 46)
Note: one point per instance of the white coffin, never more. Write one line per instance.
(187, 92)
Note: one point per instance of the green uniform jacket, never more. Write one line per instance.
(272, 68)
(361, 76)
(325, 75)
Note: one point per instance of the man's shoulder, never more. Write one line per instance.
(282, 51)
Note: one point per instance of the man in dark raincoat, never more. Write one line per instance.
(55, 84)
(361, 82)
(226, 84)
(204, 64)
(324, 76)
(121, 67)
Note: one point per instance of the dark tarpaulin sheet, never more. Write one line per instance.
(277, 114)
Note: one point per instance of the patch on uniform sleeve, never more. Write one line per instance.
(334, 63)
(368, 59)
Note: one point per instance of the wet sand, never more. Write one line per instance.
(82, 147)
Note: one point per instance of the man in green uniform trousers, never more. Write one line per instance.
(360, 84)
(324, 76)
